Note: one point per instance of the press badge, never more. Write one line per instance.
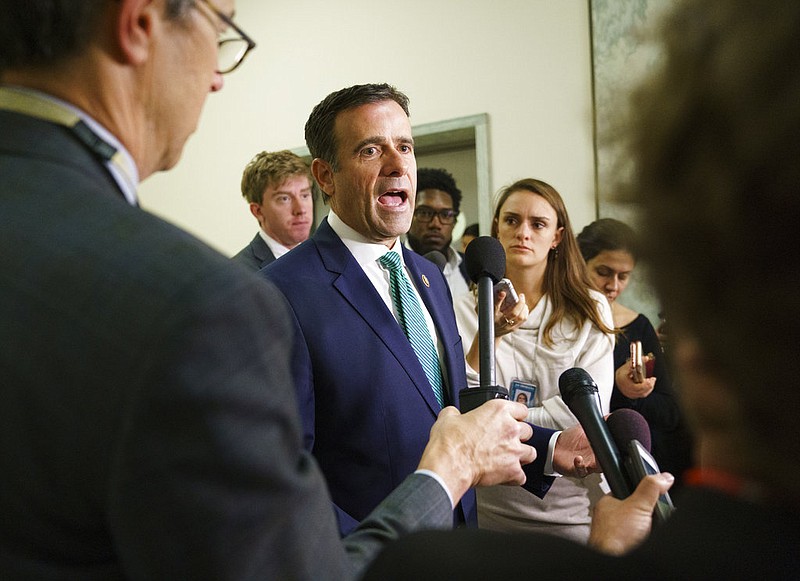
(523, 392)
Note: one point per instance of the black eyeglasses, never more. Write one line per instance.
(447, 216)
(230, 51)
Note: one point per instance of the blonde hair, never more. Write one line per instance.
(271, 169)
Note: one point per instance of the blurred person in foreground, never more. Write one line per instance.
(714, 139)
(148, 423)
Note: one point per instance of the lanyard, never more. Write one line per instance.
(34, 105)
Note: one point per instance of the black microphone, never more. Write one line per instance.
(632, 436)
(437, 258)
(580, 393)
(485, 261)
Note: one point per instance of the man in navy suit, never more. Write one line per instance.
(365, 400)
(278, 188)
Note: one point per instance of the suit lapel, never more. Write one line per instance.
(261, 251)
(354, 286)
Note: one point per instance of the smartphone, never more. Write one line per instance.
(638, 464)
(637, 363)
(511, 295)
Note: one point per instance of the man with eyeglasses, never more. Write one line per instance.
(438, 201)
(148, 424)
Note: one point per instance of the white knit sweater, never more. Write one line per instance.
(523, 355)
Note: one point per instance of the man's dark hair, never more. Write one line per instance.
(439, 179)
(45, 32)
(319, 130)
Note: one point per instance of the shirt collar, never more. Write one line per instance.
(363, 250)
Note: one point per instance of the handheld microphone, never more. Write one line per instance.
(580, 393)
(625, 425)
(632, 436)
(485, 261)
(437, 258)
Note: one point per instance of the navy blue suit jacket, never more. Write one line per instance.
(366, 405)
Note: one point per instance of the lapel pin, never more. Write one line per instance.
(425, 281)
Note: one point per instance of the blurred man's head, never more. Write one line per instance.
(437, 206)
(715, 138)
(278, 188)
(141, 69)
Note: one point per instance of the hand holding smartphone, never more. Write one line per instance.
(641, 365)
(637, 365)
(511, 295)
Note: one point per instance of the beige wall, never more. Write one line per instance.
(526, 63)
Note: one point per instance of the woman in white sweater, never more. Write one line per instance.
(559, 323)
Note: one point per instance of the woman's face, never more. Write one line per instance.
(527, 227)
(610, 272)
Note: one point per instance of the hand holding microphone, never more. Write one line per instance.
(579, 392)
(485, 260)
(621, 525)
(625, 430)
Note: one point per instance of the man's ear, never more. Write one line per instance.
(136, 20)
(255, 210)
(323, 173)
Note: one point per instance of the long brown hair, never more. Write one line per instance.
(566, 280)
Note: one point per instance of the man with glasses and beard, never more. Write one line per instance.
(435, 214)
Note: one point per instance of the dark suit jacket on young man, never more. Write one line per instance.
(148, 423)
(255, 255)
(366, 404)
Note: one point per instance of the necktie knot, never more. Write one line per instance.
(391, 261)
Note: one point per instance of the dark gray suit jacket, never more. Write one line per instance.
(710, 536)
(148, 424)
(255, 255)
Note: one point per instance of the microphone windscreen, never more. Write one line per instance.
(626, 425)
(574, 382)
(437, 258)
(485, 256)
